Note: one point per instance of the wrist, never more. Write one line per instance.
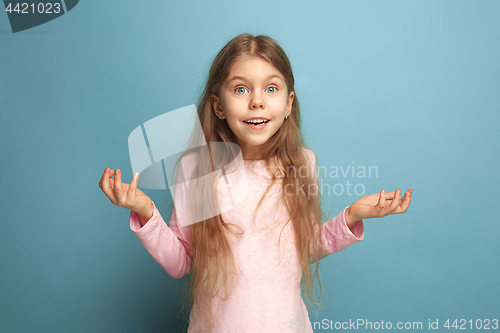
(350, 219)
(147, 214)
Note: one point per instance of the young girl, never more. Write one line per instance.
(247, 265)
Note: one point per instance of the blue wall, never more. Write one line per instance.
(411, 87)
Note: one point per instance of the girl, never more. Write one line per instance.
(247, 266)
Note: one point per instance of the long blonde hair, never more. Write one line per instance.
(212, 259)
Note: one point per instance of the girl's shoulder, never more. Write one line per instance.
(186, 164)
(309, 154)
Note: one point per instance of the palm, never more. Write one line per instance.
(139, 200)
(125, 188)
(380, 204)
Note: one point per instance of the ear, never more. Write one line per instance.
(216, 104)
(289, 103)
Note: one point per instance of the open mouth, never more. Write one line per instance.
(256, 122)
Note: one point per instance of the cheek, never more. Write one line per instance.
(277, 104)
(234, 102)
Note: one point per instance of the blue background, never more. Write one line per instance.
(411, 87)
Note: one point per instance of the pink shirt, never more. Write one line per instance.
(267, 296)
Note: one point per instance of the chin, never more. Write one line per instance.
(254, 143)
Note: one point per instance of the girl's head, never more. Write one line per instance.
(250, 77)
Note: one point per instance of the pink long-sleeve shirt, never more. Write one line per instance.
(267, 296)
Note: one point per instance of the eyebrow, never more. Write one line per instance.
(243, 78)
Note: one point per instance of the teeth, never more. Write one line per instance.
(256, 122)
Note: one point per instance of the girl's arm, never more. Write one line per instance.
(347, 228)
(168, 245)
(336, 234)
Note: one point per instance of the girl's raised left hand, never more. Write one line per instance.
(378, 205)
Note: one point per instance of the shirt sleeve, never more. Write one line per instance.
(335, 234)
(168, 245)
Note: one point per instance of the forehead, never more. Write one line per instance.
(253, 68)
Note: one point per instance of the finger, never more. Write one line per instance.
(102, 178)
(120, 197)
(111, 180)
(395, 202)
(111, 172)
(390, 195)
(105, 186)
(406, 202)
(133, 186)
(381, 201)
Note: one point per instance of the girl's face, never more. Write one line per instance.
(253, 89)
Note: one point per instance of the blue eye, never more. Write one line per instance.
(241, 90)
(273, 89)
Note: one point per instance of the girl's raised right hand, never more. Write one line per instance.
(125, 195)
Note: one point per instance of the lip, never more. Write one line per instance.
(256, 118)
(257, 127)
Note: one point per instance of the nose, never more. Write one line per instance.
(257, 101)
